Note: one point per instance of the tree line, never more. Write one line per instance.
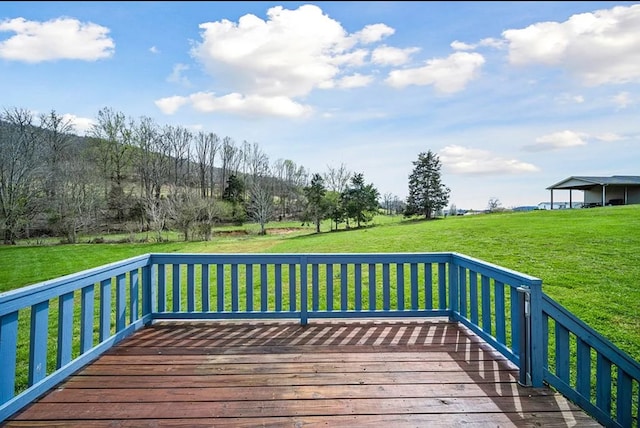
(137, 175)
(130, 173)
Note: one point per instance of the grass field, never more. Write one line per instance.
(588, 259)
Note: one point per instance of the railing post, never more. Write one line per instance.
(148, 288)
(537, 335)
(303, 290)
(524, 347)
(8, 345)
(454, 299)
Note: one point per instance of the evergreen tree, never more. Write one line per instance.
(234, 193)
(360, 200)
(317, 206)
(427, 194)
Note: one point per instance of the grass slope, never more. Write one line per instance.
(588, 259)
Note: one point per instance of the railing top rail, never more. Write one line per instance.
(284, 258)
(560, 314)
(508, 275)
(11, 300)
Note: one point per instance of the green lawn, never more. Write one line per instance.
(588, 259)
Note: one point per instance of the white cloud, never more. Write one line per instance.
(290, 54)
(622, 100)
(355, 58)
(154, 50)
(491, 42)
(464, 160)
(609, 137)
(558, 140)
(252, 105)
(374, 33)
(461, 46)
(599, 47)
(81, 124)
(62, 38)
(176, 75)
(170, 105)
(283, 58)
(356, 80)
(447, 75)
(387, 55)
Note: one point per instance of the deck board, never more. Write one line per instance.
(362, 373)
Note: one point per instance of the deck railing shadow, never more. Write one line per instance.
(493, 375)
(500, 384)
(50, 330)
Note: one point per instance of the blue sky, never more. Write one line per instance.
(512, 96)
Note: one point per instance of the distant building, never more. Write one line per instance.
(526, 208)
(600, 191)
(558, 205)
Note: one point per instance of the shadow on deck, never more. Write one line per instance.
(328, 373)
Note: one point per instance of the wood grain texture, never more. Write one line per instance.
(408, 373)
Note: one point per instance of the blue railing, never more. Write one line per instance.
(50, 330)
(573, 353)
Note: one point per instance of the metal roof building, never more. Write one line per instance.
(601, 191)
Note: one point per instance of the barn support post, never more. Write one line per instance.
(626, 195)
(570, 200)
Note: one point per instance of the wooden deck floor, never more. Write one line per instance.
(404, 373)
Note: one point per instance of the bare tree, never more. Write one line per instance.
(258, 162)
(209, 213)
(215, 148)
(178, 140)
(245, 153)
(77, 197)
(278, 169)
(70, 184)
(56, 141)
(290, 179)
(203, 147)
(230, 160)
(113, 152)
(299, 181)
(337, 178)
(19, 171)
(387, 199)
(255, 165)
(183, 209)
(493, 204)
(156, 214)
(152, 159)
(261, 206)
(398, 205)
(206, 148)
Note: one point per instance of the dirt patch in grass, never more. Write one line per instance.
(282, 230)
(270, 231)
(239, 232)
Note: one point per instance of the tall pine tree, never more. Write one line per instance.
(427, 194)
(317, 206)
(360, 200)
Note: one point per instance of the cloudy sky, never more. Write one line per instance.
(512, 96)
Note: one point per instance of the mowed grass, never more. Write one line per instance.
(588, 260)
